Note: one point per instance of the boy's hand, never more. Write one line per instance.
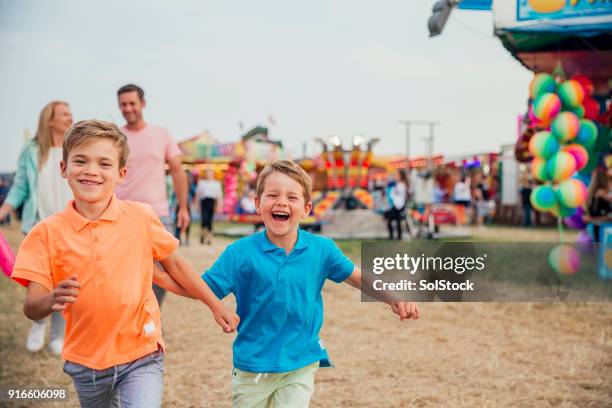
(405, 310)
(227, 319)
(65, 292)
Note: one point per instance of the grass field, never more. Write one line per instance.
(457, 355)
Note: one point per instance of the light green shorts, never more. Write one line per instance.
(278, 390)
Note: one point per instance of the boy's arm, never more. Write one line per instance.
(405, 310)
(184, 274)
(40, 303)
(164, 280)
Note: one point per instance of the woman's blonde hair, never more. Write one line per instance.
(44, 136)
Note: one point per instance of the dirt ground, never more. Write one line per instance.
(457, 355)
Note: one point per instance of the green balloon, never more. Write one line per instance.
(544, 198)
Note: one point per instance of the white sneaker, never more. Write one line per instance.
(56, 345)
(36, 337)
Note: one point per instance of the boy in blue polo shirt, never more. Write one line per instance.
(277, 276)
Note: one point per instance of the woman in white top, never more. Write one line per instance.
(208, 193)
(461, 192)
(398, 196)
(39, 187)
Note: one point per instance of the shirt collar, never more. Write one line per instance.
(268, 246)
(78, 222)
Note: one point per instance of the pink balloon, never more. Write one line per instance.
(581, 155)
(7, 259)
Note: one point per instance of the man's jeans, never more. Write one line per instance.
(138, 384)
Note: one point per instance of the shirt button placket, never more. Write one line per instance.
(281, 282)
(96, 252)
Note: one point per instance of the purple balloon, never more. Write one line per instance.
(584, 243)
(575, 221)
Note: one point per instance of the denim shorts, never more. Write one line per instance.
(136, 384)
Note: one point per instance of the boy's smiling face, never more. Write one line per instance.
(282, 205)
(93, 170)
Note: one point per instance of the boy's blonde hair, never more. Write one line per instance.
(86, 131)
(290, 169)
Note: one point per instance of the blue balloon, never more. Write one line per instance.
(585, 178)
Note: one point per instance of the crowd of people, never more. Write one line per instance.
(405, 191)
(395, 198)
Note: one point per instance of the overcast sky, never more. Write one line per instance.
(318, 67)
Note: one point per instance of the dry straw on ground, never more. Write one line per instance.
(457, 355)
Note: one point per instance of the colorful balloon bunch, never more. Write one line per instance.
(550, 98)
(564, 143)
(564, 153)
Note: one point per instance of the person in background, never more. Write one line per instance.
(247, 203)
(4, 189)
(525, 192)
(38, 186)
(379, 198)
(151, 149)
(461, 192)
(398, 196)
(598, 202)
(208, 193)
(480, 194)
(462, 196)
(481, 206)
(439, 195)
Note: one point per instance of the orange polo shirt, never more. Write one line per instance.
(116, 318)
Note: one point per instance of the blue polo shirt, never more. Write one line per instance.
(278, 298)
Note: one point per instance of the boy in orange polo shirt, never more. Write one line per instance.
(94, 262)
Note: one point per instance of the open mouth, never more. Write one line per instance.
(90, 182)
(280, 215)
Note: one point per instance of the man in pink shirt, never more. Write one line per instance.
(151, 147)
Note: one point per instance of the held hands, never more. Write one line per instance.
(227, 319)
(405, 310)
(65, 292)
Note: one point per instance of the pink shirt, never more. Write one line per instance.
(150, 148)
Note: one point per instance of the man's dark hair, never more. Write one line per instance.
(131, 88)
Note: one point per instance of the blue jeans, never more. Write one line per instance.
(527, 215)
(138, 384)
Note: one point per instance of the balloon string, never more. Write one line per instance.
(560, 227)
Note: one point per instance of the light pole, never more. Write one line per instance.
(431, 135)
